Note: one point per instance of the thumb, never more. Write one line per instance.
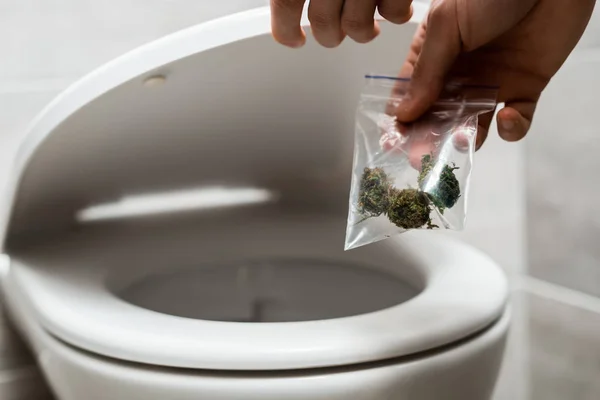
(441, 46)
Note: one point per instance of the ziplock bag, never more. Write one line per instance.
(413, 176)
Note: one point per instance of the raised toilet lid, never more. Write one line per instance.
(221, 103)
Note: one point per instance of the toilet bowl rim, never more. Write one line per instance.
(464, 296)
(499, 326)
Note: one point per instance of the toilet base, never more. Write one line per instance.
(467, 370)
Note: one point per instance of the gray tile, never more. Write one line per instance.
(18, 108)
(564, 346)
(24, 384)
(43, 39)
(13, 352)
(563, 219)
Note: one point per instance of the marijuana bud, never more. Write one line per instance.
(446, 190)
(409, 209)
(373, 196)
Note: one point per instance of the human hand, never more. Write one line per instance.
(332, 20)
(517, 45)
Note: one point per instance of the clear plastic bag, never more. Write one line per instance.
(412, 176)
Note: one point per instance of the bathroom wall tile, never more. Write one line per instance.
(23, 384)
(43, 39)
(18, 109)
(562, 165)
(564, 347)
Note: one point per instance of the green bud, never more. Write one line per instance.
(445, 191)
(409, 209)
(373, 196)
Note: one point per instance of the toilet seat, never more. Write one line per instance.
(74, 304)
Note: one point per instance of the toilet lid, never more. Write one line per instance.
(219, 103)
(67, 287)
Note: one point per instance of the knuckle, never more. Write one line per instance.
(415, 48)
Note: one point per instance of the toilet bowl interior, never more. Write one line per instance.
(254, 265)
(269, 290)
(262, 270)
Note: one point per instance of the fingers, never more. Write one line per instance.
(325, 22)
(483, 128)
(418, 148)
(515, 119)
(396, 11)
(332, 20)
(414, 52)
(419, 140)
(285, 22)
(358, 20)
(462, 137)
(407, 70)
(439, 50)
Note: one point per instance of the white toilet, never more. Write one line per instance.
(175, 230)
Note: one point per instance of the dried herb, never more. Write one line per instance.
(410, 209)
(374, 193)
(444, 191)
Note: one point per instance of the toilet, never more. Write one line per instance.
(175, 226)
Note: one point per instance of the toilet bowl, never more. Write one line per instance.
(175, 224)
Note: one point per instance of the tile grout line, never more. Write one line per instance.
(559, 293)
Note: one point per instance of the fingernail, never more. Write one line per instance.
(507, 125)
(403, 106)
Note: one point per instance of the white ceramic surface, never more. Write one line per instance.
(461, 292)
(466, 371)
